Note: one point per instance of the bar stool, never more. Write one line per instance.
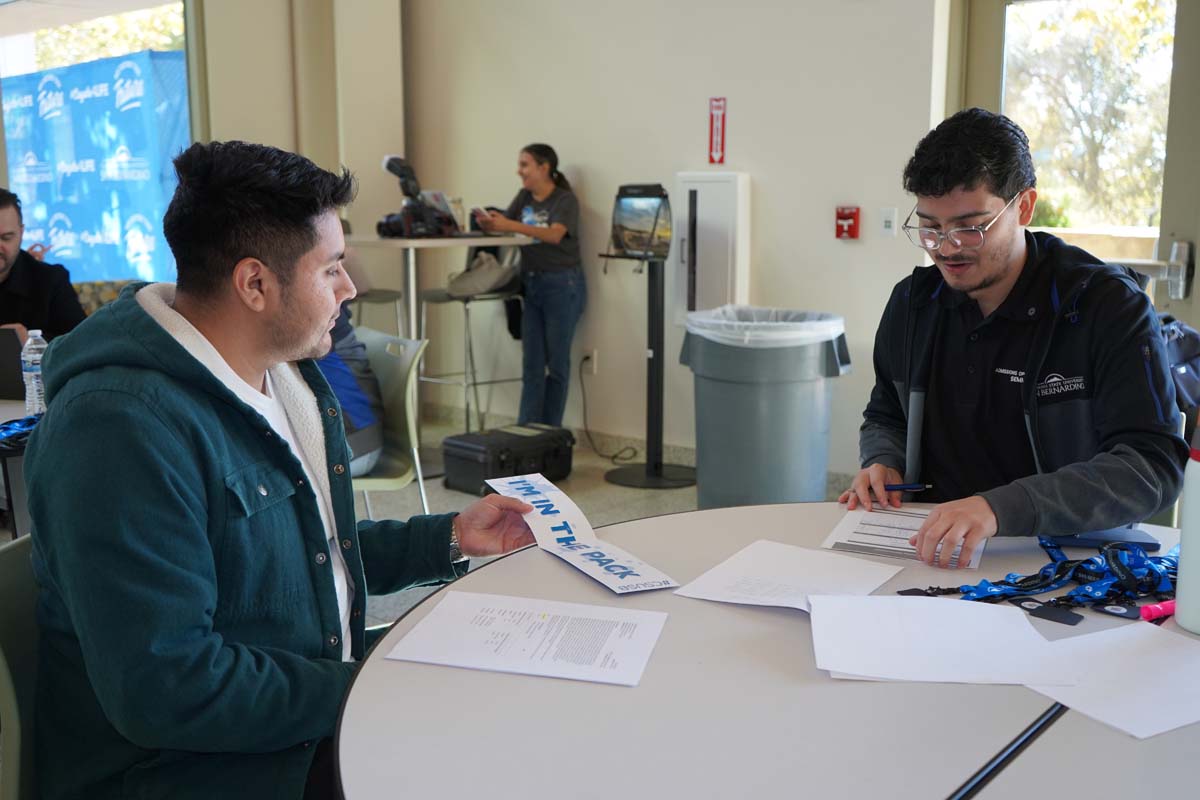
(368, 293)
(468, 378)
(375, 296)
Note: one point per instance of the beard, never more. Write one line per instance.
(988, 270)
(296, 342)
(296, 339)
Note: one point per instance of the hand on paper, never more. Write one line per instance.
(493, 526)
(872, 480)
(970, 521)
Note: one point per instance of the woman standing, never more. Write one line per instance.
(552, 277)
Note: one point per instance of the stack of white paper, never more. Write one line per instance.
(1138, 678)
(772, 574)
(932, 639)
(534, 637)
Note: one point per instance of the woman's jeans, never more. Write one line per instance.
(553, 304)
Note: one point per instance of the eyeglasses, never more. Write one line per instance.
(963, 238)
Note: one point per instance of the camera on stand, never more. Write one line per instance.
(416, 218)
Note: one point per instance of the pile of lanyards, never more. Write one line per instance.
(1122, 574)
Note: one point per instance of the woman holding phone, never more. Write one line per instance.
(552, 277)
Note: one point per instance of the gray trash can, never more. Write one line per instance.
(762, 402)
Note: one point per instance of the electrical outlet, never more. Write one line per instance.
(593, 356)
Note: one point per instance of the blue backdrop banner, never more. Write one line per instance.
(89, 152)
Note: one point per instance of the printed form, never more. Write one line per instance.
(534, 637)
(885, 532)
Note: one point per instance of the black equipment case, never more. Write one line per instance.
(472, 458)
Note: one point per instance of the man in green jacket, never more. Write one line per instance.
(202, 578)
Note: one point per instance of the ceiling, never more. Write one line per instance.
(24, 16)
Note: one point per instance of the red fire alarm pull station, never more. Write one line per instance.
(846, 226)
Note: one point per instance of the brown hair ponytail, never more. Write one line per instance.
(544, 154)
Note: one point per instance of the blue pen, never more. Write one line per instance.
(906, 487)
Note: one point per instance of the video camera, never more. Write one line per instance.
(416, 219)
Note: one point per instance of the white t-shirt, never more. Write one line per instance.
(156, 300)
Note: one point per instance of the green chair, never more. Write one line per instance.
(394, 362)
(18, 669)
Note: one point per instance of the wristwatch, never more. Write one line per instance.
(456, 553)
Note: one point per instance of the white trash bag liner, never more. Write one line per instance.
(749, 326)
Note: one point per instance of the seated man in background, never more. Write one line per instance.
(357, 390)
(1022, 378)
(33, 295)
(202, 579)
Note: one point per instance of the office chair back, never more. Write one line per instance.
(18, 669)
(394, 362)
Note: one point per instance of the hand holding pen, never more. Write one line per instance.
(876, 480)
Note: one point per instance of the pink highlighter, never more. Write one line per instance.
(1155, 611)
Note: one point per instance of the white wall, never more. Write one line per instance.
(826, 102)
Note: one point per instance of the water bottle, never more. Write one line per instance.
(1187, 589)
(31, 369)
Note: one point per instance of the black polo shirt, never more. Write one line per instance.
(974, 437)
(40, 296)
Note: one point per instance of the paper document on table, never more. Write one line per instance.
(534, 637)
(885, 533)
(1114, 686)
(768, 573)
(562, 530)
(932, 639)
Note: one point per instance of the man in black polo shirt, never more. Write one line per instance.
(33, 295)
(1020, 377)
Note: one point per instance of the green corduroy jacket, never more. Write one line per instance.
(186, 603)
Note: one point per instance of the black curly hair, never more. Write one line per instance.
(972, 148)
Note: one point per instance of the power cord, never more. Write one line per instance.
(616, 457)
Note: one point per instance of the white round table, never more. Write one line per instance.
(730, 705)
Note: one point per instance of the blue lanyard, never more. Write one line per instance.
(1120, 571)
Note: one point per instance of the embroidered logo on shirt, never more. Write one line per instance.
(1056, 384)
(1014, 375)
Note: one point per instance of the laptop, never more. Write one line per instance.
(12, 384)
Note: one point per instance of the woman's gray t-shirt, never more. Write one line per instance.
(559, 206)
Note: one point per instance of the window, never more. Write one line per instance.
(94, 111)
(1089, 82)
